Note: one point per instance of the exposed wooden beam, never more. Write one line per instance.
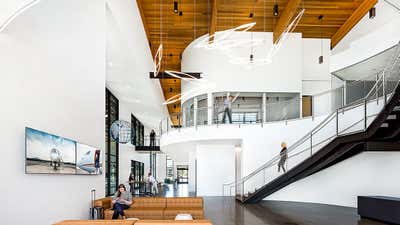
(213, 20)
(287, 16)
(142, 15)
(355, 17)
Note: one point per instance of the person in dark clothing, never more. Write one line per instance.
(152, 138)
(283, 157)
(121, 201)
(132, 183)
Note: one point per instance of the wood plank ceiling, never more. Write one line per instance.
(176, 30)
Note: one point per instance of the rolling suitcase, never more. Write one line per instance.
(96, 212)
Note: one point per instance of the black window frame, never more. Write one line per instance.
(112, 105)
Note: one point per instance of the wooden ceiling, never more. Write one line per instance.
(199, 17)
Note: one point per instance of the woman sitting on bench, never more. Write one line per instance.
(121, 200)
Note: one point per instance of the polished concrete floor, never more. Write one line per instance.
(227, 211)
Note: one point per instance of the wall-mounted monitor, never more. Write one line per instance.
(51, 154)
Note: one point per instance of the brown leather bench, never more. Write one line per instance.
(133, 222)
(145, 208)
(189, 205)
(173, 222)
(95, 222)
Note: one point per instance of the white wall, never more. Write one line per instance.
(129, 62)
(259, 144)
(127, 152)
(369, 173)
(368, 38)
(283, 74)
(215, 167)
(53, 79)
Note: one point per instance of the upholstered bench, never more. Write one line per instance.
(145, 208)
(188, 205)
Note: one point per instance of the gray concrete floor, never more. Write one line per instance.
(228, 211)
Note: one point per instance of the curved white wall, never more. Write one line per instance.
(295, 62)
(283, 74)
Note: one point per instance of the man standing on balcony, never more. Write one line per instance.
(228, 106)
(152, 138)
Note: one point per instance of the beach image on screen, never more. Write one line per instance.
(49, 154)
(88, 160)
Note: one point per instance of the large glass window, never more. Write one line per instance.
(170, 169)
(112, 151)
(137, 131)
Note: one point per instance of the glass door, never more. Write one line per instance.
(182, 174)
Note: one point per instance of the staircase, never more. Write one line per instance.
(369, 124)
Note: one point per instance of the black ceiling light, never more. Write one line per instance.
(321, 57)
(251, 15)
(175, 7)
(276, 10)
(180, 13)
(170, 90)
(372, 13)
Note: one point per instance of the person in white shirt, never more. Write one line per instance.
(153, 184)
(228, 107)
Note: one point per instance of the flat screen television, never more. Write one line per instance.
(51, 154)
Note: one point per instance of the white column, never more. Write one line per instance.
(264, 107)
(210, 108)
(195, 111)
(344, 92)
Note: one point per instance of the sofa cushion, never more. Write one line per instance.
(148, 202)
(196, 213)
(173, 222)
(95, 222)
(143, 213)
(185, 202)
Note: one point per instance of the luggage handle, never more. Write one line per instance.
(93, 196)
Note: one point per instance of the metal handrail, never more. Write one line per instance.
(364, 100)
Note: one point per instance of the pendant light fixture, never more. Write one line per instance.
(321, 57)
(276, 9)
(175, 7)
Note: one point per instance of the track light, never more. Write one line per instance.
(276, 10)
(372, 13)
(251, 15)
(175, 7)
(251, 57)
(180, 13)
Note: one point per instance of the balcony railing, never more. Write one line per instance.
(323, 104)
